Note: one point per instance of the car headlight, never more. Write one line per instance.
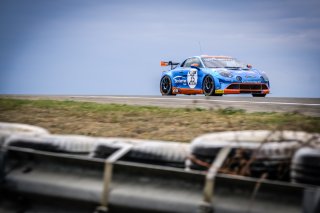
(224, 73)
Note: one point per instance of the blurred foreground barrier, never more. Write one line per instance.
(220, 172)
(254, 153)
(8, 129)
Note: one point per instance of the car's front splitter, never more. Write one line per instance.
(238, 88)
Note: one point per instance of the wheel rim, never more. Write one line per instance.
(208, 85)
(165, 85)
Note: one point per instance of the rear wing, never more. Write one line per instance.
(169, 63)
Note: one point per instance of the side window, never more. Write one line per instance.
(197, 61)
(188, 62)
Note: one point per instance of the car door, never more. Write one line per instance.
(180, 76)
(192, 75)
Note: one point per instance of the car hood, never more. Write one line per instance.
(246, 75)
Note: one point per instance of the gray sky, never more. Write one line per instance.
(104, 47)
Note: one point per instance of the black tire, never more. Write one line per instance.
(166, 86)
(259, 95)
(36, 145)
(315, 171)
(157, 155)
(208, 87)
(104, 151)
(306, 179)
(308, 157)
(276, 170)
(305, 166)
(205, 151)
(154, 154)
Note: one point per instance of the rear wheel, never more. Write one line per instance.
(259, 95)
(166, 86)
(208, 87)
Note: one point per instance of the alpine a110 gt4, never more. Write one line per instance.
(213, 76)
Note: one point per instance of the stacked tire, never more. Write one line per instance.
(273, 159)
(12, 129)
(72, 144)
(305, 166)
(203, 154)
(254, 153)
(151, 152)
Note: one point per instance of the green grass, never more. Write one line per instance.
(177, 124)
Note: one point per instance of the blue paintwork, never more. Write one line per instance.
(179, 74)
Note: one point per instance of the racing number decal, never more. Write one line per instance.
(192, 78)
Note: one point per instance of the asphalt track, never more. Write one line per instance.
(306, 106)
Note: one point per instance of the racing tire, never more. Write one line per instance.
(208, 87)
(166, 86)
(259, 95)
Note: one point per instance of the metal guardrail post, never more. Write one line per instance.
(107, 177)
(208, 191)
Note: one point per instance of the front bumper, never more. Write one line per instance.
(238, 88)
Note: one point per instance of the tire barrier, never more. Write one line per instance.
(72, 144)
(144, 175)
(254, 153)
(104, 147)
(203, 154)
(22, 128)
(8, 129)
(305, 166)
(159, 153)
(150, 152)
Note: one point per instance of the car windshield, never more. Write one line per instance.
(212, 62)
(222, 62)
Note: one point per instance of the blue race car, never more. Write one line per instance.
(213, 76)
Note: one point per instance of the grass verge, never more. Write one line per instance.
(181, 124)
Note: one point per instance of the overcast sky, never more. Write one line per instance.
(102, 47)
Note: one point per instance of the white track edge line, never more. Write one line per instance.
(185, 99)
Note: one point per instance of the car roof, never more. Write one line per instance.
(217, 56)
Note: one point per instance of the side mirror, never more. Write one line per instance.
(249, 66)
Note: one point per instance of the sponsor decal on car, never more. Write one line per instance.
(179, 80)
(192, 78)
(219, 91)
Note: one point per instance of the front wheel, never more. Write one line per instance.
(208, 87)
(166, 86)
(259, 95)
